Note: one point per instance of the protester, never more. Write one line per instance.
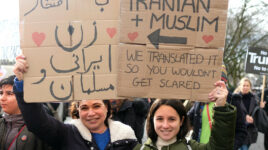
(201, 113)
(132, 113)
(249, 102)
(265, 107)
(14, 134)
(92, 130)
(167, 124)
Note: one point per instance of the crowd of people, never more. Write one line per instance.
(224, 123)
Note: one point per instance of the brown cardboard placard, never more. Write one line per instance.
(73, 53)
(161, 30)
(170, 72)
(199, 23)
(71, 47)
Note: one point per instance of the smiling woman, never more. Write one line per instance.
(167, 124)
(91, 130)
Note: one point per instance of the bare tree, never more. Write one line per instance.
(243, 31)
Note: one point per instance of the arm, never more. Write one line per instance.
(37, 120)
(223, 127)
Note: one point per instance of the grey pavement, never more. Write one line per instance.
(259, 145)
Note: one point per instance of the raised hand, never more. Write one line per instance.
(219, 94)
(20, 67)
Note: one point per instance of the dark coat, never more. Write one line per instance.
(71, 137)
(240, 130)
(25, 141)
(133, 113)
(251, 128)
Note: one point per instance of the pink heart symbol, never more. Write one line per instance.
(133, 36)
(38, 38)
(111, 32)
(207, 38)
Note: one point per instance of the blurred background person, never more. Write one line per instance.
(132, 113)
(249, 102)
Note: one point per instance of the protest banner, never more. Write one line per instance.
(82, 49)
(171, 48)
(257, 61)
(71, 47)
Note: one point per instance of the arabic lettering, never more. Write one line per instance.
(46, 4)
(89, 67)
(50, 3)
(43, 78)
(65, 71)
(62, 88)
(89, 91)
(98, 3)
(71, 49)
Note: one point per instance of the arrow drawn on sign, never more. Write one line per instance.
(155, 39)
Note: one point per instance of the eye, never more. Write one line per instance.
(1, 93)
(83, 108)
(10, 93)
(171, 119)
(159, 118)
(96, 106)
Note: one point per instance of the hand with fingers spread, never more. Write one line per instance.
(20, 67)
(219, 94)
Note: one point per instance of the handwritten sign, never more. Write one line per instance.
(179, 48)
(94, 49)
(199, 23)
(257, 60)
(71, 47)
(183, 72)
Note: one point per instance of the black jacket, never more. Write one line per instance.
(251, 128)
(133, 113)
(71, 137)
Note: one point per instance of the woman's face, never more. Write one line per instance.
(93, 114)
(167, 122)
(245, 87)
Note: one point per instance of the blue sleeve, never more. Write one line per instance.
(18, 84)
(46, 127)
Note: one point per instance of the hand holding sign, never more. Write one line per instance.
(219, 94)
(20, 67)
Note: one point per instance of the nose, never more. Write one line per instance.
(165, 124)
(2, 97)
(91, 112)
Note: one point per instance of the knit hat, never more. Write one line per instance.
(224, 73)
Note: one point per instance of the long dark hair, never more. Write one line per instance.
(75, 113)
(176, 105)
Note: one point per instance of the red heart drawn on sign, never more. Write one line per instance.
(111, 32)
(133, 36)
(38, 38)
(207, 38)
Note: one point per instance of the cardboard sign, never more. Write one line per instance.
(198, 23)
(71, 47)
(177, 41)
(179, 73)
(257, 61)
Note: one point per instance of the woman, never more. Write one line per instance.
(167, 125)
(92, 130)
(249, 102)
